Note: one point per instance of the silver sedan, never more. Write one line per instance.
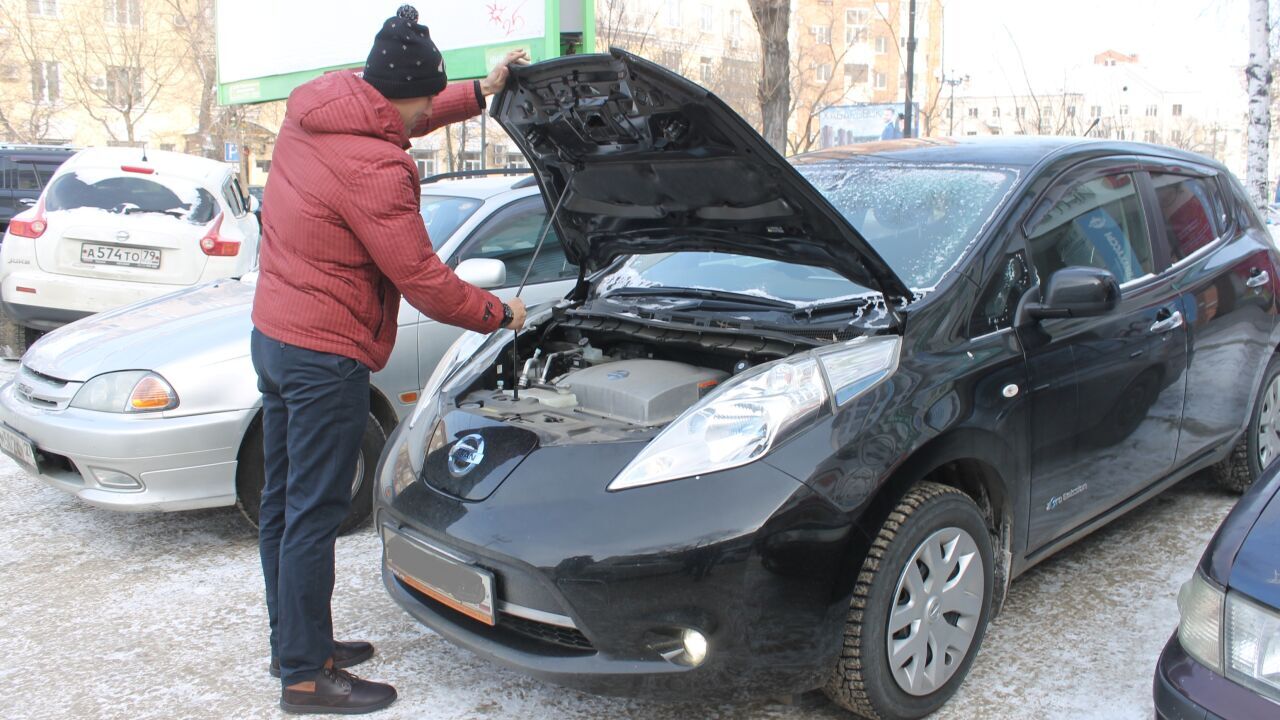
(155, 406)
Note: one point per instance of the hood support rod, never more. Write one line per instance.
(515, 334)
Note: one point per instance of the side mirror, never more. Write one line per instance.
(486, 273)
(1077, 292)
(254, 205)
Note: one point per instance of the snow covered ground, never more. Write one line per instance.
(110, 615)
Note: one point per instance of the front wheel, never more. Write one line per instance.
(251, 474)
(1260, 446)
(919, 610)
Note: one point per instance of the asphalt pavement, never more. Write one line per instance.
(112, 615)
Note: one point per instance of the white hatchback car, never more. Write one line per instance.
(118, 225)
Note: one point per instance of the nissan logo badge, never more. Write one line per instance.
(466, 454)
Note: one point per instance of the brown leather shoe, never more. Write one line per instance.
(338, 692)
(345, 655)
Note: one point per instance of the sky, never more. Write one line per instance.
(983, 37)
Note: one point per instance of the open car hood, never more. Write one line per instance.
(642, 160)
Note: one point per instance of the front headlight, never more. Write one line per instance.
(750, 413)
(460, 351)
(1200, 623)
(130, 391)
(1253, 645)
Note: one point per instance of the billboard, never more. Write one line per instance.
(268, 47)
(848, 124)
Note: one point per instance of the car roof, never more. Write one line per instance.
(1006, 150)
(480, 188)
(171, 163)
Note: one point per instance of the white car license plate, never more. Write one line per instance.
(17, 447)
(124, 256)
(462, 587)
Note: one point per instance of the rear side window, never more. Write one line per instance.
(238, 207)
(512, 236)
(1192, 211)
(1097, 223)
(130, 195)
(31, 175)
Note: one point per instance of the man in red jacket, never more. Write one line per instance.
(342, 240)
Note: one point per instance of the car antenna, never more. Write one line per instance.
(1092, 125)
(144, 152)
(515, 334)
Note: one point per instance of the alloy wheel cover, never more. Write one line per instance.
(935, 613)
(1269, 424)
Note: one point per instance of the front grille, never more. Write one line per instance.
(546, 632)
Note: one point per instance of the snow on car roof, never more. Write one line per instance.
(171, 163)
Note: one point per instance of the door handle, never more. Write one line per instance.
(27, 201)
(1258, 279)
(1173, 322)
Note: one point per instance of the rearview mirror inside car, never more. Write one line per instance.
(1074, 292)
(486, 273)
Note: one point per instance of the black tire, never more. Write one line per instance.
(251, 474)
(862, 680)
(1237, 471)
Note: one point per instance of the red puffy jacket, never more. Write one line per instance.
(342, 234)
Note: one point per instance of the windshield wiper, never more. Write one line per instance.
(728, 299)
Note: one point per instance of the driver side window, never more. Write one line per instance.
(511, 236)
(1097, 223)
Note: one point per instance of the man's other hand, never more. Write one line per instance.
(497, 78)
(517, 314)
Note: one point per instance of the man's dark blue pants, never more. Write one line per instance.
(314, 410)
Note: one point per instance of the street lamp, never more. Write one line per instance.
(951, 107)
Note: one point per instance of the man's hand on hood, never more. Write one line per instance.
(497, 78)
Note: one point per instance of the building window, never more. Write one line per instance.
(973, 112)
(995, 112)
(671, 59)
(821, 34)
(735, 24)
(1095, 111)
(704, 70)
(124, 12)
(1177, 110)
(1152, 110)
(882, 45)
(44, 81)
(858, 16)
(1046, 111)
(1150, 136)
(1020, 111)
(1175, 137)
(822, 73)
(426, 167)
(1124, 110)
(170, 147)
(706, 19)
(48, 8)
(673, 13)
(123, 85)
(855, 74)
(882, 81)
(263, 165)
(1071, 111)
(855, 35)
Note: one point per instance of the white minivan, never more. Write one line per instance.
(118, 225)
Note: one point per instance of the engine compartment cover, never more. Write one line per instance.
(641, 391)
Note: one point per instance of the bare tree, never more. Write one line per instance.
(773, 20)
(1258, 75)
(928, 110)
(118, 69)
(27, 110)
(194, 25)
(624, 24)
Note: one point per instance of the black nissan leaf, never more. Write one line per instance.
(800, 423)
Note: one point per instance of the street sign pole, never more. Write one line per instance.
(911, 57)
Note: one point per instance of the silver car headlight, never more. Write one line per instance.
(1200, 621)
(1253, 645)
(128, 391)
(751, 413)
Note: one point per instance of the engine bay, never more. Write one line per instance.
(587, 382)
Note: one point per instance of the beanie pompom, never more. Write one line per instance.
(408, 12)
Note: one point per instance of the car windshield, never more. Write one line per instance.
(920, 218)
(131, 194)
(444, 214)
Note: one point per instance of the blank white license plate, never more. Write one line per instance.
(123, 256)
(465, 588)
(17, 447)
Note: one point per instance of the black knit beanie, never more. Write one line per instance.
(404, 63)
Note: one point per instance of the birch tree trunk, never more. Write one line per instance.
(1258, 74)
(773, 20)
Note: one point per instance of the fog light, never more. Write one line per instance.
(115, 480)
(695, 647)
